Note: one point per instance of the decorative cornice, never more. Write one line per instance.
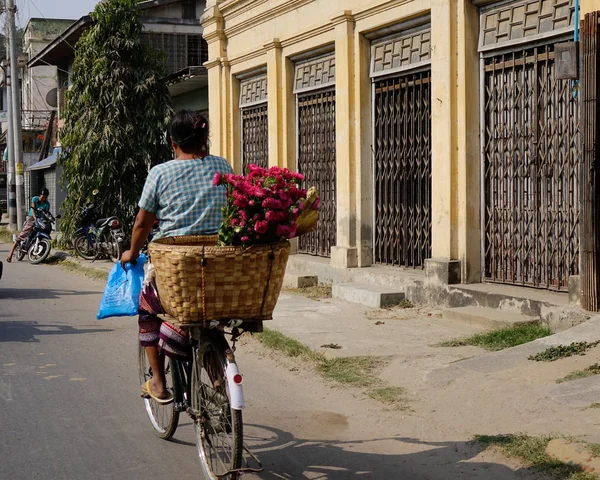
(272, 44)
(235, 8)
(225, 63)
(327, 27)
(258, 52)
(212, 63)
(260, 18)
(214, 36)
(211, 15)
(344, 17)
(384, 7)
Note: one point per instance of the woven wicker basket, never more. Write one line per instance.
(198, 282)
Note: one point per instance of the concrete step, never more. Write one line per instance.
(373, 296)
(299, 280)
(487, 317)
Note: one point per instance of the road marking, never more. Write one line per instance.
(52, 377)
(77, 379)
(9, 364)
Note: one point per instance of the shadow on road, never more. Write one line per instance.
(287, 457)
(39, 293)
(28, 331)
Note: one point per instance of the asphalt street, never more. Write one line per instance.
(70, 405)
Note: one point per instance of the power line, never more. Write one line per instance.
(48, 21)
(50, 65)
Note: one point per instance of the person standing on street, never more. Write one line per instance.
(37, 203)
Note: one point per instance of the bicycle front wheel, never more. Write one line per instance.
(164, 418)
(219, 428)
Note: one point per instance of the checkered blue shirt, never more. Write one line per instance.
(182, 195)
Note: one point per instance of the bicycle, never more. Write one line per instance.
(209, 389)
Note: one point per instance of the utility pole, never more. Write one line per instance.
(12, 187)
(11, 11)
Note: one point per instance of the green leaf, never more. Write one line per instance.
(116, 116)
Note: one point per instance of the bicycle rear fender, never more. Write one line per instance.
(234, 380)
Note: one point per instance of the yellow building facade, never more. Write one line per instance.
(436, 130)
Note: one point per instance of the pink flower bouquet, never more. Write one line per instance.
(263, 206)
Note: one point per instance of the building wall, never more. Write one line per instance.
(195, 100)
(244, 35)
(38, 81)
(248, 36)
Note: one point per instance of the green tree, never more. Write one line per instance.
(20, 37)
(116, 118)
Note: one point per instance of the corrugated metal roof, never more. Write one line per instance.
(45, 163)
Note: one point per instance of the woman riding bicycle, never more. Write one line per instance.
(181, 193)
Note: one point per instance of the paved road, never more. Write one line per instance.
(69, 405)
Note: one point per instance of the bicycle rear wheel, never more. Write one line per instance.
(164, 418)
(219, 428)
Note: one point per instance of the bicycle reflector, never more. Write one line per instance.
(114, 224)
(234, 380)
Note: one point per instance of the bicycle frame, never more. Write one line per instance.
(182, 374)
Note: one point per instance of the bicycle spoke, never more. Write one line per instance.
(215, 429)
(164, 418)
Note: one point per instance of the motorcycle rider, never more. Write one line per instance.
(37, 203)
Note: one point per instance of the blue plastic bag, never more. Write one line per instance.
(122, 293)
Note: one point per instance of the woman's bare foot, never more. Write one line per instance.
(158, 388)
(153, 388)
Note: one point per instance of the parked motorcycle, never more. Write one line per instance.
(98, 237)
(38, 244)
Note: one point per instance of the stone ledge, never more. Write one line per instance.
(442, 271)
(299, 280)
(371, 296)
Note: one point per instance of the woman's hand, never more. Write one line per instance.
(129, 257)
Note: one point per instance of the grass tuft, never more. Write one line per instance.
(6, 235)
(578, 374)
(356, 371)
(532, 451)
(406, 304)
(317, 292)
(594, 448)
(348, 371)
(594, 405)
(77, 268)
(501, 338)
(288, 346)
(563, 351)
(394, 396)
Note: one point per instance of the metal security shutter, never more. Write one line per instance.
(314, 88)
(400, 67)
(531, 153)
(255, 122)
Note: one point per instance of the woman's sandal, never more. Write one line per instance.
(147, 392)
